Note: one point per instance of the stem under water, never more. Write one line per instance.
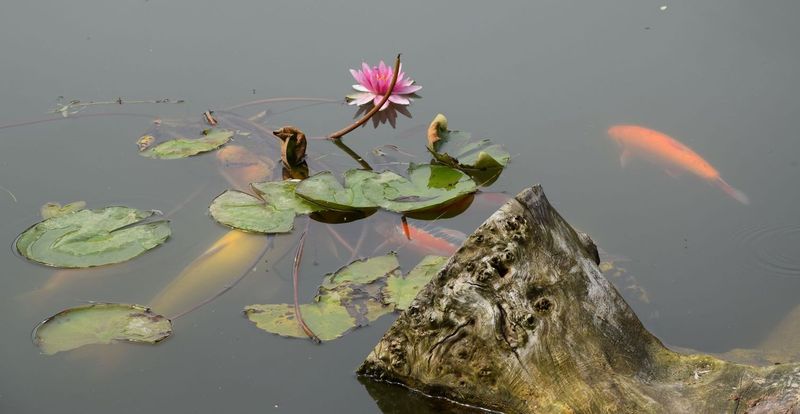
(298, 256)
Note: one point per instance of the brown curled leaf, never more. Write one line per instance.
(293, 149)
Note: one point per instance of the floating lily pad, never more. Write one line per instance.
(88, 238)
(246, 212)
(427, 187)
(100, 323)
(184, 147)
(274, 212)
(51, 210)
(401, 290)
(324, 189)
(482, 159)
(281, 194)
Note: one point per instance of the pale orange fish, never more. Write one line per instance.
(661, 149)
(438, 241)
(230, 256)
(224, 262)
(240, 167)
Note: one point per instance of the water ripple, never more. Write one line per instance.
(775, 249)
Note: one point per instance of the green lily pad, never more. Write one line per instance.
(89, 238)
(100, 323)
(401, 290)
(273, 212)
(363, 271)
(281, 194)
(325, 190)
(328, 319)
(185, 147)
(427, 187)
(50, 210)
(246, 212)
(482, 159)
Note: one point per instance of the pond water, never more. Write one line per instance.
(546, 79)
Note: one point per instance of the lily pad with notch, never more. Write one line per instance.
(87, 238)
(427, 187)
(481, 159)
(100, 323)
(181, 147)
(347, 299)
(271, 210)
(325, 190)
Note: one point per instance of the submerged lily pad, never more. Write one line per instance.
(326, 318)
(88, 238)
(427, 187)
(348, 299)
(401, 290)
(184, 147)
(274, 212)
(354, 296)
(324, 189)
(100, 323)
(363, 271)
(50, 210)
(482, 159)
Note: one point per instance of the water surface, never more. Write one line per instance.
(546, 79)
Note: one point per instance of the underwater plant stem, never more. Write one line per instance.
(281, 99)
(229, 286)
(298, 256)
(13, 197)
(359, 243)
(344, 131)
(60, 118)
(340, 239)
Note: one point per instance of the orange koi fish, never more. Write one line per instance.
(661, 149)
(438, 241)
(240, 167)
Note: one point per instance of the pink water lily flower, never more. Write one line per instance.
(374, 82)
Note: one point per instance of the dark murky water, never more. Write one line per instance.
(544, 78)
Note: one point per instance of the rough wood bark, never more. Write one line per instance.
(521, 320)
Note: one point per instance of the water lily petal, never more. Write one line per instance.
(357, 75)
(399, 100)
(360, 88)
(362, 98)
(405, 90)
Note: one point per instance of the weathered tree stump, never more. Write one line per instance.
(521, 320)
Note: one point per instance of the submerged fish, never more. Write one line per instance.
(220, 265)
(661, 149)
(240, 167)
(437, 241)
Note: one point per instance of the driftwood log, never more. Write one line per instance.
(521, 320)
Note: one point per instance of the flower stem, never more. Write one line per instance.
(342, 132)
